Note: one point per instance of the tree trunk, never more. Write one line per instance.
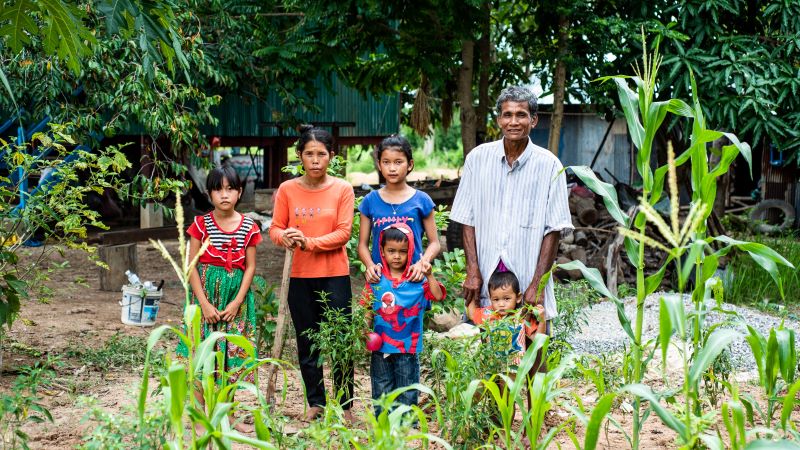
(559, 86)
(484, 49)
(465, 96)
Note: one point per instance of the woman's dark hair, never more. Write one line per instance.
(504, 279)
(309, 133)
(394, 142)
(215, 177)
(394, 235)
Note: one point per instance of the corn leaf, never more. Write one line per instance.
(715, 344)
(599, 413)
(604, 190)
(644, 392)
(596, 281)
(764, 444)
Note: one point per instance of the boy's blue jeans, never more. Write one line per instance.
(392, 372)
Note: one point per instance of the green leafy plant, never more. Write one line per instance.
(56, 210)
(687, 248)
(776, 359)
(22, 406)
(340, 338)
(266, 306)
(118, 352)
(450, 270)
(117, 431)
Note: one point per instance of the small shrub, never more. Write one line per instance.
(340, 338)
(22, 406)
(119, 430)
(118, 352)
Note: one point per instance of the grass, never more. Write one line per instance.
(747, 283)
(118, 352)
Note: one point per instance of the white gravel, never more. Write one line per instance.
(604, 333)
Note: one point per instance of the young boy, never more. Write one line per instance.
(398, 306)
(506, 298)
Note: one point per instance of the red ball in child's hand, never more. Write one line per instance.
(374, 342)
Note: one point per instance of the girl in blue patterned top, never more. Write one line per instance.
(396, 202)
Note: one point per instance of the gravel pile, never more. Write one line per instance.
(604, 334)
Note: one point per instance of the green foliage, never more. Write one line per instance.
(22, 406)
(118, 352)
(266, 305)
(454, 368)
(450, 270)
(115, 431)
(59, 211)
(340, 337)
(687, 248)
(572, 299)
(776, 359)
(745, 59)
(746, 283)
(63, 30)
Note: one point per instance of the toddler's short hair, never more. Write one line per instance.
(393, 234)
(504, 279)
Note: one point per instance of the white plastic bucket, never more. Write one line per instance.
(139, 305)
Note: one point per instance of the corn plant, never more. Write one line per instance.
(776, 359)
(688, 248)
(182, 379)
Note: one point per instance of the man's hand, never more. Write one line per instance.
(531, 297)
(472, 286)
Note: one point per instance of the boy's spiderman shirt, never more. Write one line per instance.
(399, 306)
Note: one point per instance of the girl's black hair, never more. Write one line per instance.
(215, 177)
(310, 133)
(394, 142)
(504, 279)
(394, 235)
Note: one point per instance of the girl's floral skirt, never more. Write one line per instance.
(221, 287)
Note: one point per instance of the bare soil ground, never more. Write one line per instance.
(81, 316)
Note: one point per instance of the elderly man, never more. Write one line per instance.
(512, 201)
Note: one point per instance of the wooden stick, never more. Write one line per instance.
(280, 328)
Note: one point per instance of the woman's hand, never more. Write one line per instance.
(291, 237)
(373, 273)
(210, 313)
(419, 270)
(230, 312)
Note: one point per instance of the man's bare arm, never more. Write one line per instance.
(474, 282)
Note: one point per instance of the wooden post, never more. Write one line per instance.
(119, 259)
(280, 328)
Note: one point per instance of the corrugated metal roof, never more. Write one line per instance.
(379, 116)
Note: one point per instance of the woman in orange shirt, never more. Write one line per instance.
(314, 215)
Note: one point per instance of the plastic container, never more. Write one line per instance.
(139, 305)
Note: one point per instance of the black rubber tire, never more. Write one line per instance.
(759, 215)
(453, 236)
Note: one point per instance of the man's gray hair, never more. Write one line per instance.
(517, 94)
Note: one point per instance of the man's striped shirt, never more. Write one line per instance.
(512, 208)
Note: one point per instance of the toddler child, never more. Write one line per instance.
(398, 307)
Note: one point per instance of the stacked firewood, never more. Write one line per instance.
(597, 243)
